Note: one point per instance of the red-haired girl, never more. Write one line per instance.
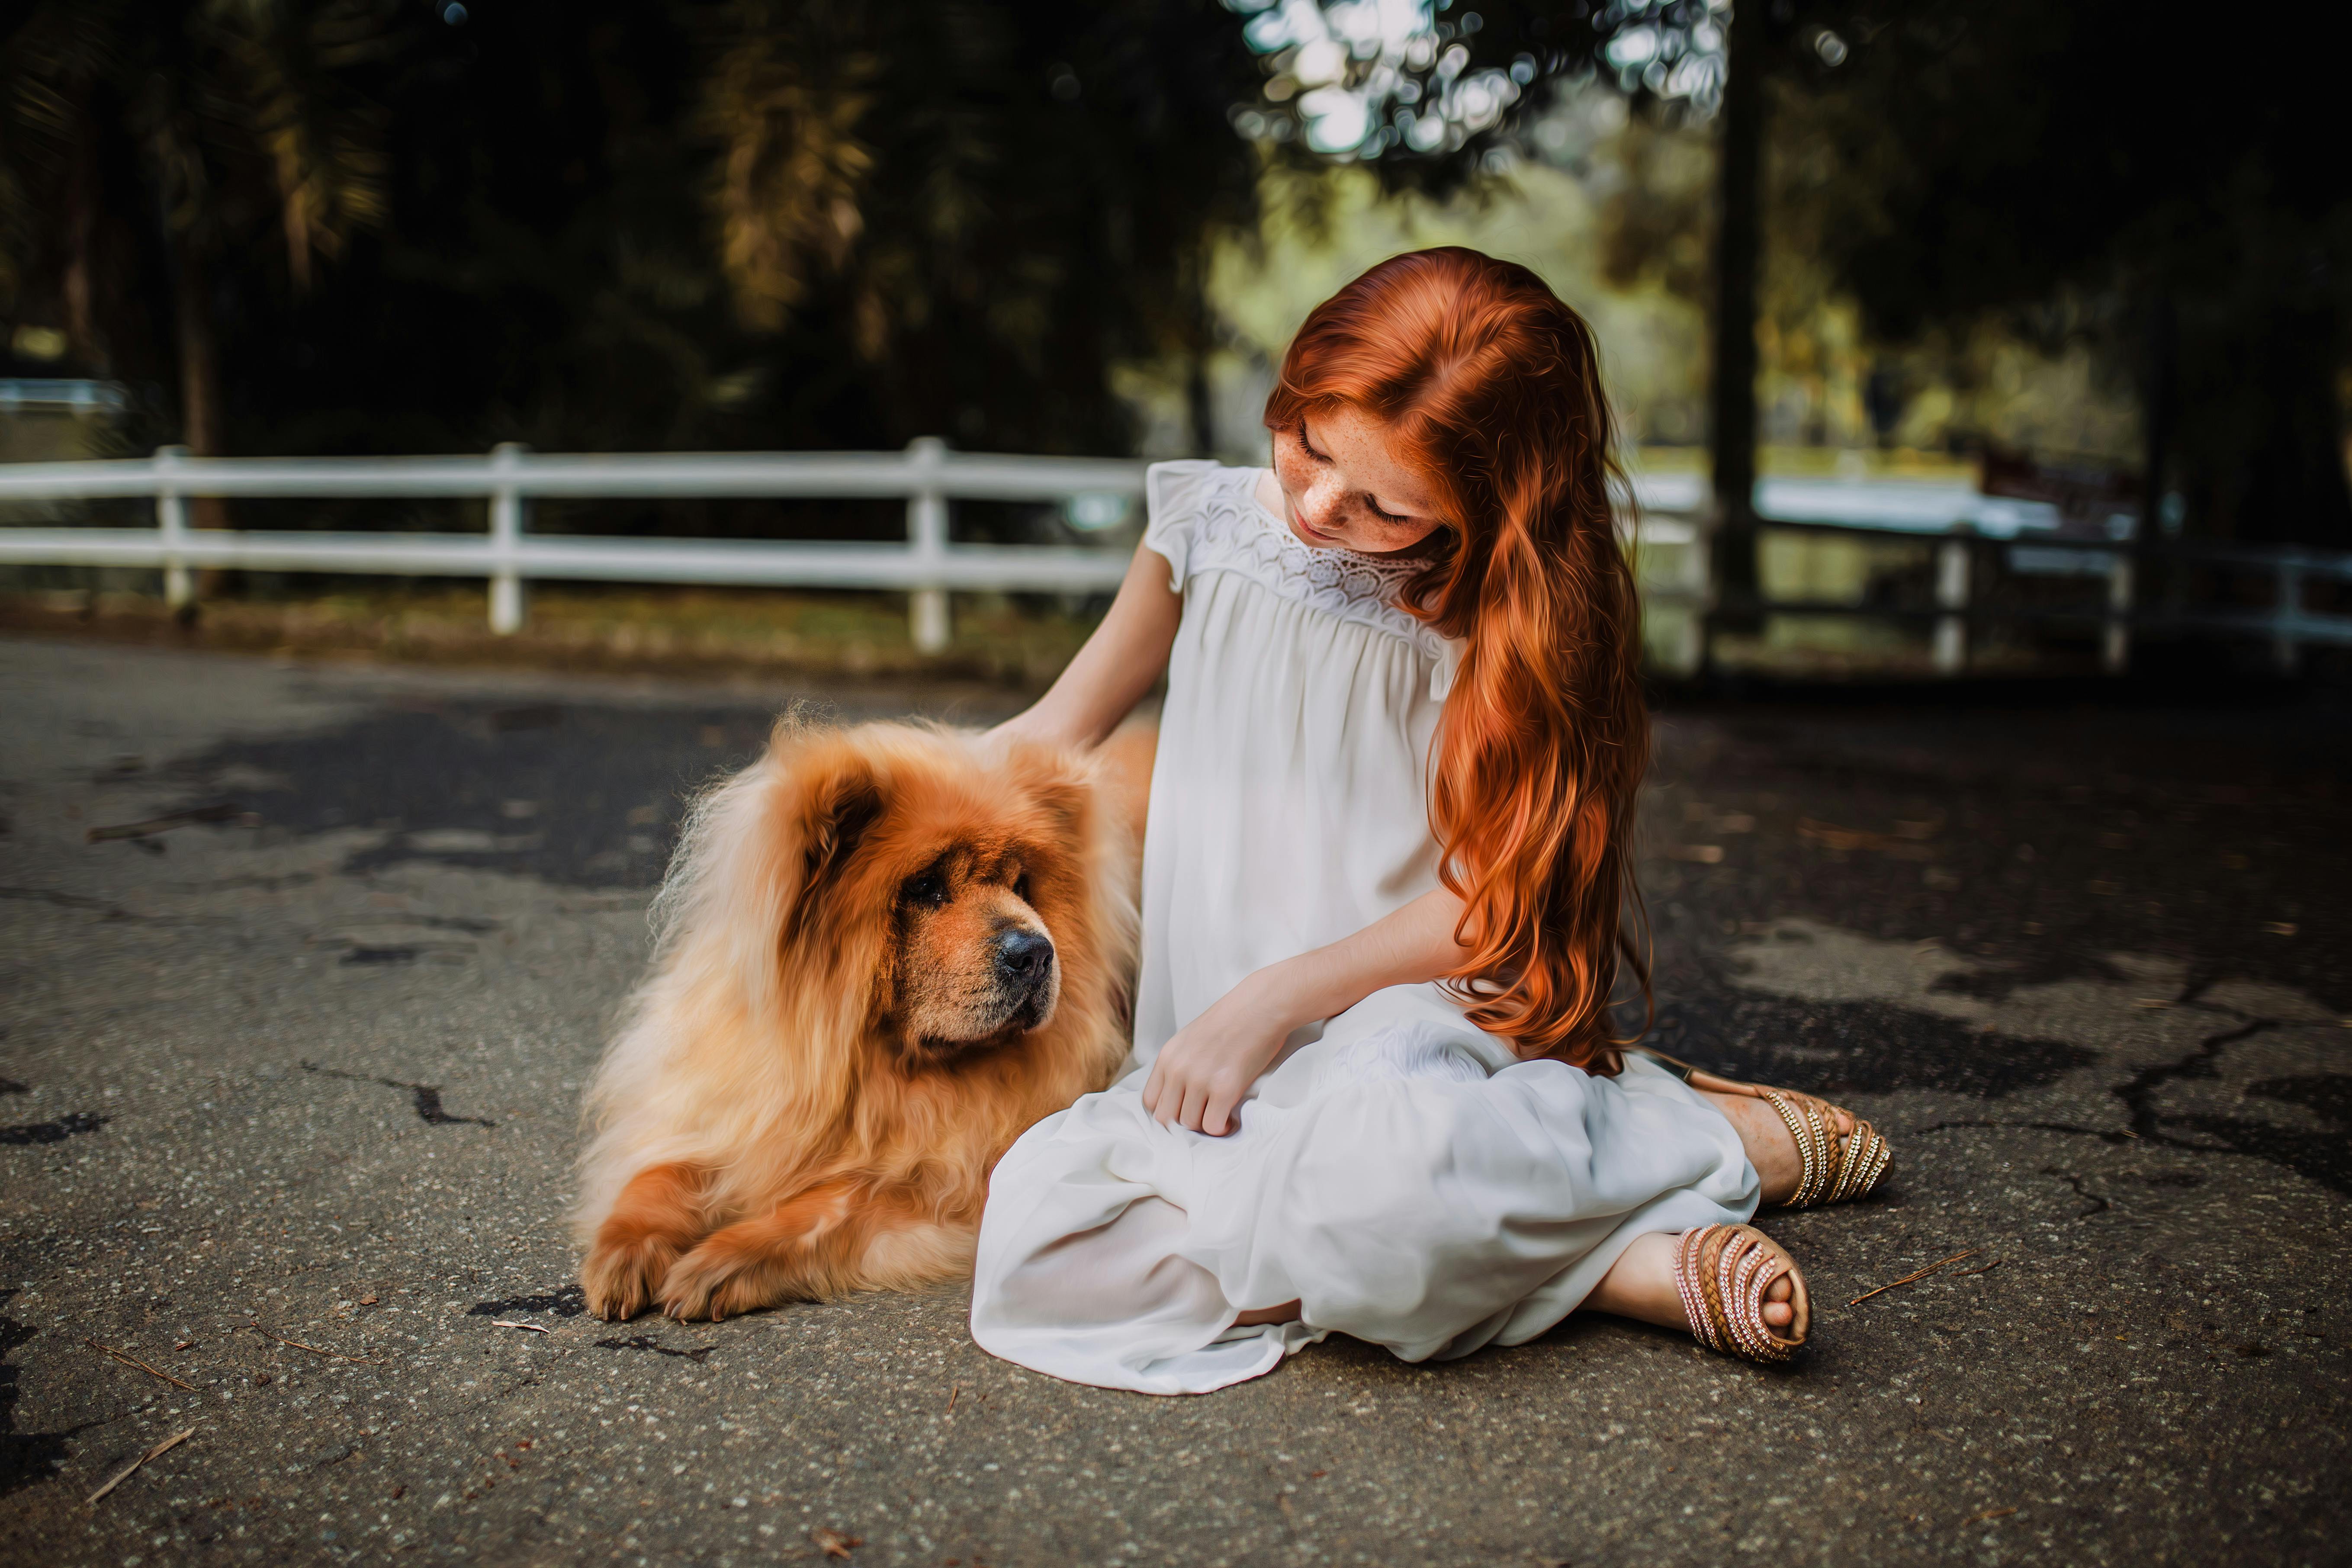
(1376, 1088)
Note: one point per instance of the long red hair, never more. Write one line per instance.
(1491, 389)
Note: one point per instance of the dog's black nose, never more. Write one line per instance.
(1023, 957)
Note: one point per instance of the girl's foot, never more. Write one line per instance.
(1806, 1151)
(1727, 1276)
(1730, 1287)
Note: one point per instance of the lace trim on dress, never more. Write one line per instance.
(1229, 531)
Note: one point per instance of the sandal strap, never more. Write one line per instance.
(1721, 1272)
(1834, 1168)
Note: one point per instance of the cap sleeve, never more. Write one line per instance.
(1172, 503)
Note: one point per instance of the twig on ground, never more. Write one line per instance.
(953, 1391)
(127, 1359)
(1981, 1518)
(508, 1324)
(1913, 1277)
(1970, 1273)
(314, 1350)
(124, 1474)
(835, 1544)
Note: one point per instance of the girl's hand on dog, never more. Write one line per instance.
(1201, 1074)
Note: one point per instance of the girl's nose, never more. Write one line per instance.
(1320, 502)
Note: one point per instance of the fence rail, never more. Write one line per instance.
(929, 476)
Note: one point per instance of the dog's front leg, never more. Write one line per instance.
(803, 1248)
(659, 1214)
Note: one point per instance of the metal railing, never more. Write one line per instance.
(928, 476)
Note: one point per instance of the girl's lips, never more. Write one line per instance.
(1316, 537)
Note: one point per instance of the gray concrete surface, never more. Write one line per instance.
(308, 1073)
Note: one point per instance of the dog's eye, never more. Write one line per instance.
(930, 888)
(1021, 887)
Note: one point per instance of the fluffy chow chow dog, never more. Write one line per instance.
(884, 952)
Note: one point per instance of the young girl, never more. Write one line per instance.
(1375, 1088)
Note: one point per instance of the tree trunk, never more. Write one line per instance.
(1200, 409)
(1200, 412)
(80, 284)
(2156, 400)
(2259, 436)
(1732, 401)
(200, 390)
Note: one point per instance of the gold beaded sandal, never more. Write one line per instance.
(1721, 1272)
(1835, 1169)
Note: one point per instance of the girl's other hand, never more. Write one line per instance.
(1200, 1075)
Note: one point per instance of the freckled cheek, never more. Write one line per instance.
(1292, 469)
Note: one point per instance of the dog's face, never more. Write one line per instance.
(942, 874)
(976, 962)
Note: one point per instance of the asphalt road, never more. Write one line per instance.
(290, 1094)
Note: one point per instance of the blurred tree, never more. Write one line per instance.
(2176, 193)
(140, 137)
(1434, 95)
(2189, 182)
(993, 199)
(606, 223)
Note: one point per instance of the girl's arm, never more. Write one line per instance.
(1114, 669)
(1202, 1073)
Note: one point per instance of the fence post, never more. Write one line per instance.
(2287, 646)
(927, 536)
(1690, 656)
(510, 516)
(2115, 643)
(172, 522)
(1952, 583)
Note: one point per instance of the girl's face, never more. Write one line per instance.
(1343, 490)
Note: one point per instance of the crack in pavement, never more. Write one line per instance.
(2097, 1204)
(568, 1303)
(58, 1132)
(428, 1096)
(2322, 1157)
(647, 1342)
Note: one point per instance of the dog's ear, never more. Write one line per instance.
(839, 809)
(1057, 785)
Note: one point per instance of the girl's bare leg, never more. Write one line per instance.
(1642, 1285)
(1287, 1312)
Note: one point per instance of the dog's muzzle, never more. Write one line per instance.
(1025, 973)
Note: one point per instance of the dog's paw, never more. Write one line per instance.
(621, 1279)
(718, 1280)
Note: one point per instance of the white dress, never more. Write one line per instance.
(1398, 1171)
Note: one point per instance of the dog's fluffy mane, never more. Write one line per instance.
(755, 1048)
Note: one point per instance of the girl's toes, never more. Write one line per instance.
(1778, 1314)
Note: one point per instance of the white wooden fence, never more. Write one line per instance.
(927, 476)
(1095, 492)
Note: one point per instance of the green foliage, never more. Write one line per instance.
(204, 127)
(608, 224)
(2171, 194)
(2090, 176)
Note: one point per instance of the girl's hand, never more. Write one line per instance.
(1032, 724)
(1201, 1074)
